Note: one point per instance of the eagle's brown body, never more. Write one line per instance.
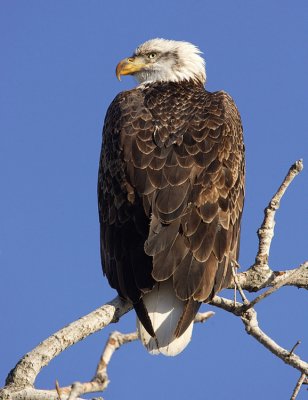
(171, 193)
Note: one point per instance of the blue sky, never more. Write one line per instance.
(57, 79)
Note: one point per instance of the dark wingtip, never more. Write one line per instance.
(189, 313)
(144, 318)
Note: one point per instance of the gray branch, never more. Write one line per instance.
(249, 318)
(266, 232)
(298, 386)
(100, 381)
(253, 281)
(20, 381)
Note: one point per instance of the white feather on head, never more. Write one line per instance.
(176, 61)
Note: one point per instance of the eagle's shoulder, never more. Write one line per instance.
(127, 107)
(125, 99)
(226, 102)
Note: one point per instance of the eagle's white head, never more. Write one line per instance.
(161, 60)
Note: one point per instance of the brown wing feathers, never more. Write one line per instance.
(171, 187)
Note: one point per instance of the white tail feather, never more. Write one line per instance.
(164, 310)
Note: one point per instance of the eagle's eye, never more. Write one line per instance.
(152, 55)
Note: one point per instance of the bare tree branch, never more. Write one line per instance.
(250, 321)
(281, 282)
(266, 232)
(249, 318)
(259, 275)
(298, 386)
(252, 281)
(27, 369)
(20, 381)
(100, 381)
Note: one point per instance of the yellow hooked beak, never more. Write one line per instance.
(129, 66)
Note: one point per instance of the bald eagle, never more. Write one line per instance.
(170, 191)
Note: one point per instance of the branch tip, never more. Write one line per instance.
(202, 317)
(58, 389)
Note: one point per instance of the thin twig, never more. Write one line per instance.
(115, 341)
(100, 381)
(294, 347)
(298, 386)
(239, 288)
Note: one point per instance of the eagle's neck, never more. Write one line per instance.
(168, 75)
(184, 83)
